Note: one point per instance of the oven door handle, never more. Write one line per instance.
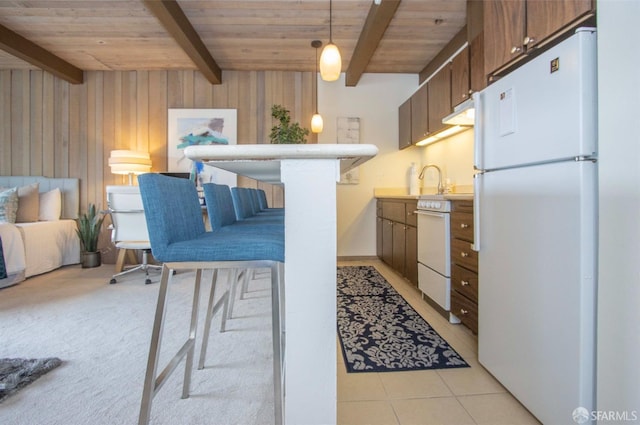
(431, 213)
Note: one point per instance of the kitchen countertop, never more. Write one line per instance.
(402, 193)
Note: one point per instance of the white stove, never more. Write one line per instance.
(434, 252)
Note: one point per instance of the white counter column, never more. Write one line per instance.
(310, 290)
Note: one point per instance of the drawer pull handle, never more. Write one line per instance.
(464, 225)
(464, 282)
(464, 254)
(463, 311)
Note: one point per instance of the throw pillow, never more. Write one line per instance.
(28, 204)
(8, 205)
(50, 205)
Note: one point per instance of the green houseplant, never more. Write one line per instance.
(285, 131)
(88, 230)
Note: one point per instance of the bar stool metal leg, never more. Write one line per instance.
(153, 383)
(278, 343)
(150, 386)
(212, 308)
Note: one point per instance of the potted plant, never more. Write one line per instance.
(88, 230)
(285, 132)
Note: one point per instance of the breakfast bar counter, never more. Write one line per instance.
(309, 174)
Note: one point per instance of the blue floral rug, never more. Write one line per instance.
(380, 332)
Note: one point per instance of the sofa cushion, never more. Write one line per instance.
(28, 204)
(8, 205)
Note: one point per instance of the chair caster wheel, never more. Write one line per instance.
(112, 281)
(147, 281)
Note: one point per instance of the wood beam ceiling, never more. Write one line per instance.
(374, 28)
(20, 47)
(176, 23)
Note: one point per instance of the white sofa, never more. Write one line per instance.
(38, 246)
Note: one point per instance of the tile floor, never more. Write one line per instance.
(448, 396)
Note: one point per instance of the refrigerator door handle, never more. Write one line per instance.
(476, 211)
(478, 132)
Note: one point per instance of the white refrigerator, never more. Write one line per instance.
(535, 212)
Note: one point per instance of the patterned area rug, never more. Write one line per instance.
(380, 332)
(18, 373)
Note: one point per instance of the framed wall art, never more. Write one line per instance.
(349, 132)
(188, 127)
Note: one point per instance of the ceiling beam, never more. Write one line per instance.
(176, 23)
(27, 50)
(374, 28)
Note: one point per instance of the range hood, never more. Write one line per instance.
(462, 119)
(463, 114)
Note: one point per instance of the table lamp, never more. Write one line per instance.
(130, 163)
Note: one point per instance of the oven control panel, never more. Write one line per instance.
(434, 205)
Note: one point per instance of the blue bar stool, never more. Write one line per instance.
(179, 240)
(223, 217)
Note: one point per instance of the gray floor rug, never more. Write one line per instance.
(380, 332)
(16, 374)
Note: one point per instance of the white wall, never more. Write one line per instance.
(375, 101)
(455, 157)
(619, 187)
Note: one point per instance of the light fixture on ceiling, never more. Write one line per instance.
(316, 120)
(129, 163)
(377, 2)
(330, 60)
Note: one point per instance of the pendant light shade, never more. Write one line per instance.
(316, 121)
(330, 63)
(330, 60)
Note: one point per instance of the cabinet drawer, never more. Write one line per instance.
(465, 310)
(462, 206)
(464, 281)
(393, 211)
(462, 226)
(462, 254)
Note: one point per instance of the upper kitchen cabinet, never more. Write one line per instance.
(439, 98)
(404, 124)
(504, 30)
(513, 28)
(420, 114)
(460, 81)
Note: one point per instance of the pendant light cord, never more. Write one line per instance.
(330, 21)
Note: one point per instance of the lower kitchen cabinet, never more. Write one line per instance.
(396, 238)
(464, 265)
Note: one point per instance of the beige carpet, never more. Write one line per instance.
(101, 332)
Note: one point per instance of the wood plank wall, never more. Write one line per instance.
(51, 128)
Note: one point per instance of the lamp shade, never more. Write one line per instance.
(330, 63)
(316, 123)
(129, 162)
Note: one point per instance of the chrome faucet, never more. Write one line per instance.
(440, 186)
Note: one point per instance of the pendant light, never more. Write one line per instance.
(330, 60)
(316, 120)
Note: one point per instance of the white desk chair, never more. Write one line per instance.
(129, 227)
